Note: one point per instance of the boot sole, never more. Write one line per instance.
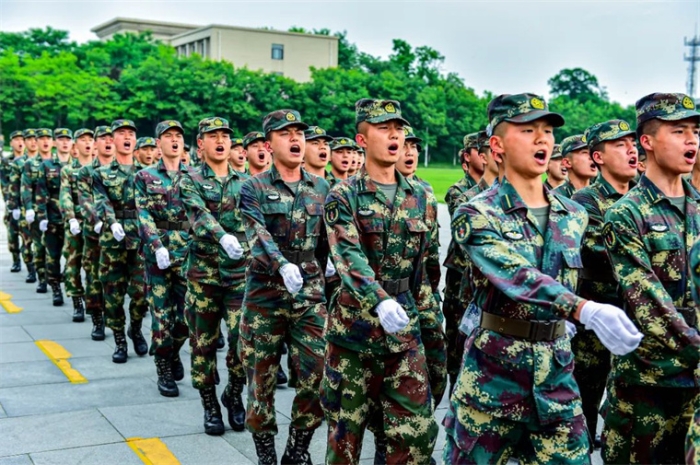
(97, 338)
(215, 432)
(119, 361)
(41, 292)
(78, 320)
(169, 394)
(56, 304)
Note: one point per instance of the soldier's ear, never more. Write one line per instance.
(200, 143)
(647, 141)
(361, 140)
(268, 147)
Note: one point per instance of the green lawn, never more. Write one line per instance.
(441, 178)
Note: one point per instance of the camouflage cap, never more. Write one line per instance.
(482, 140)
(609, 130)
(44, 132)
(252, 137)
(83, 131)
(360, 150)
(142, 142)
(62, 132)
(471, 141)
(556, 152)
(103, 131)
(343, 142)
(215, 123)
(14, 134)
(123, 123)
(236, 141)
(666, 107)
(521, 108)
(378, 111)
(573, 143)
(167, 124)
(280, 119)
(27, 133)
(315, 132)
(410, 135)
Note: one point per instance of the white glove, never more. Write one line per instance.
(30, 215)
(43, 225)
(612, 326)
(98, 227)
(292, 278)
(571, 329)
(117, 231)
(74, 226)
(392, 316)
(231, 246)
(16, 214)
(162, 258)
(330, 269)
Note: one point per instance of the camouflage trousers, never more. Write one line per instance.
(205, 306)
(54, 237)
(692, 441)
(94, 300)
(453, 311)
(166, 298)
(25, 234)
(38, 250)
(647, 424)
(12, 236)
(73, 247)
(434, 343)
(475, 437)
(263, 330)
(357, 387)
(121, 273)
(591, 368)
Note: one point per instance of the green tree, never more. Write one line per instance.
(577, 84)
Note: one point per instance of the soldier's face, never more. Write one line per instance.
(288, 146)
(555, 172)
(45, 144)
(64, 144)
(147, 155)
(527, 147)
(237, 158)
(408, 161)
(17, 144)
(491, 164)
(580, 163)
(476, 162)
(340, 160)
(84, 145)
(360, 160)
(105, 145)
(257, 154)
(125, 141)
(316, 154)
(171, 144)
(216, 146)
(32, 144)
(675, 145)
(185, 158)
(619, 158)
(383, 142)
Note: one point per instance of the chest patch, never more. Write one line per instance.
(365, 212)
(513, 235)
(273, 196)
(659, 228)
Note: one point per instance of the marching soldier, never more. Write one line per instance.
(237, 158)
(577, 162)
(340, 163)
(317, 152)
(146, 151)
(555, 174)
(258, 156)
(12, 215)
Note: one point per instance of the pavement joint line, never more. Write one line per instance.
(59, 356)
(152, 451)
(7, 303)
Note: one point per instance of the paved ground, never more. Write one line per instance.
(117, 415)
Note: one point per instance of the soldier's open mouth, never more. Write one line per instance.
(541, 155)
(261, 156)
(633, 162)
(108, 147)
(409, 162)
(295, 149)
(219, 149)
(393, 148)
(323, 156)
(127, 145)
(594, 167)
(690, 155)
(175, 146)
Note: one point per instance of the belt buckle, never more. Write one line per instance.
(390, 287)
(542, 330)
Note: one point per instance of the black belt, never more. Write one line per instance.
(599, 276)
(536, 330)
(241, 237)
(395, 286)
(298, 256)
(125, 214)
(689, 315)
(173, 225)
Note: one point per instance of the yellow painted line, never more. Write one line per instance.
(152, 451)
(59, 356)
(7, 304)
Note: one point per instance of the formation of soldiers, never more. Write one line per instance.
(555, 291)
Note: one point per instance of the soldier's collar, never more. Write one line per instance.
(365, 183)
(207, 172)
(511, 200)
(605, 188)
(276, 177)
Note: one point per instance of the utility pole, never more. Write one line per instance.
(692, 59)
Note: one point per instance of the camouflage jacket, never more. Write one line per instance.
(14, 199)
(31, 171)
(48, 189)
(432, 264)
(522, 275)
(5, 174)
(374, 243)
(565, 190)
(279, 222)
(332, 180)
(114, 195)
(648, 242)
(695, 271)
(158, 200)
(86, 199)
(596, 281)
(454, 259)
(68, 198)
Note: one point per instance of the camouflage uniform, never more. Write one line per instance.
(14, 201)
(692, 442)
(516, 395)
(12, 225)
(556, 155)
(653, 391)
(380, 250)
(570, 144)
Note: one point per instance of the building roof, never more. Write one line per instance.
(159, 26)
(253, 29)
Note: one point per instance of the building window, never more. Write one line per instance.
(277, 52)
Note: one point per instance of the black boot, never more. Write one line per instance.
(78, 310)
(265, 448)
(31, 275)
(213, 424)
(41, 288)
(220, 342)
(57, 295)
(166, 383)
(16, 266)
(134, 333)
(177, 368)
(98, 326)
(281, 377)
(120, 349)
(297, 450)
(380, 444)
(232, 400)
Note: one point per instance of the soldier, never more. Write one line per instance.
(694, 177)
(578, 165)
(353, 167)
(69, 203)
(257, 154)
(284, 293)
(613, 149)
(555, 173)
(30, 177)
(92, 226)
(164, 233)
(12, 216)
(692, 442)
(216, 267)
(121, 263)
(341, 159)
(652, 392)
(516, 394)
(146, 151)
(317, 152)
(360, 158)
(14, 202)
(642, 164)
(237, 158)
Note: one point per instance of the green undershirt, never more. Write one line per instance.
(389, 191)
(541, 214)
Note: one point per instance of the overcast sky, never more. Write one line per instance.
(634, 48)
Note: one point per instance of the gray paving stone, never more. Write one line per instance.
(202, 449)
(3, 414)
(16, 460)
(86, 348)
(109, 454)
(31, 374)
(30, 318)
(21, 352)
(100, 368)
(173, 418)
(61, 431)
(68, 330)
(11, 334)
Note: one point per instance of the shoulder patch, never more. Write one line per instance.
(331, 215)
(462, 229)
(609, 236)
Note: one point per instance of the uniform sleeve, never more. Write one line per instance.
(104, 211)
(15, 181)
(85, 197)
(26, 188)
(653, 309)
(695, 270)
(427, 301)
(147, 225)
(506, 269)
(204, 225)
(432, 262)
(42, 193)
(65, 197)
(595, 217)
(322, 251)
(451, 200)
(5, 178)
